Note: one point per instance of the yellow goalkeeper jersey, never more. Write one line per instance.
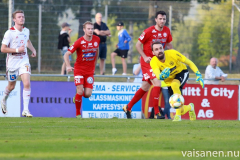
(173, 60)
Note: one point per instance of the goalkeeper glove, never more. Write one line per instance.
(199, 79)
(165, 74)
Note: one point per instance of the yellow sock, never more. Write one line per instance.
(178, 112)
(175, 85)
(185, 109)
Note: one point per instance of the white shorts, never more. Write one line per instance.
(12, 75)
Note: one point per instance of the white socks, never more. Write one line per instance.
(26, 98)
(6, 94)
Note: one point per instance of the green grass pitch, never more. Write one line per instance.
(143, 139)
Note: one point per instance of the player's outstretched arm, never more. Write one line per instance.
(196, 71)
(67, 61)
(30, 46)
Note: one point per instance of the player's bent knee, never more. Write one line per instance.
(87, 95)
(80, 92)
(157, 83)
(145, 86)
(113, 54)
(26, 85)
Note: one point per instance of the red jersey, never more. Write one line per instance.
(151, 35)
(86, 54)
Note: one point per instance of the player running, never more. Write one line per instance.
(84, 67)
(170, 66)
(15, 43)
(159, 33)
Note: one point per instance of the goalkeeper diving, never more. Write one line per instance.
(170, 67)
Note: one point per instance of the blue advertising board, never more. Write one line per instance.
(108, 99)
(52, 99)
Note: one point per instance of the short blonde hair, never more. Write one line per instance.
(17, 11)
(87, 22)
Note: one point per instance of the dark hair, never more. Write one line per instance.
(160, 12)
(157, 42)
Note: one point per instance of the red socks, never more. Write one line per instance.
(156, 93)
(83, 94)
(138, 95)
(78, 104)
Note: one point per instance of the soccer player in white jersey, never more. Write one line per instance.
(15, 43)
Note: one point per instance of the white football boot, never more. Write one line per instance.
(26, 113)
(4, 107)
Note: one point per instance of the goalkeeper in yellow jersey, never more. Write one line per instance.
(170, 67)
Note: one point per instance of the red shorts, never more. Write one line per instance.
(147, 71)
(86, 80)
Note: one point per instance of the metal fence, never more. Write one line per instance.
(200, 30)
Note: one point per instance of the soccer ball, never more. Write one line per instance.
(176, 101)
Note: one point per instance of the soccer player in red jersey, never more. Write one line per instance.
(84, 67)
(161, 33)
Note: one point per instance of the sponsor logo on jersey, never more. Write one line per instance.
(89, 59)
(142, 36)
(164, 34)
(159, 35)
(22, 42)
(84, 46)
(90, 50)
(155, 36)
(172, 69)
(18, 54)
(70, 48)
(90, 80)
(179, 55)
(87, 55)
(89, 44)
(95, 44)
(171, 63)
(154, 31)
(164, 40)
(159, 40)
(156, 40)
(82, 42)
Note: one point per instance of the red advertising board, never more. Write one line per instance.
(215, 102)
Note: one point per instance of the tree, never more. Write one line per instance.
(214, 40)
